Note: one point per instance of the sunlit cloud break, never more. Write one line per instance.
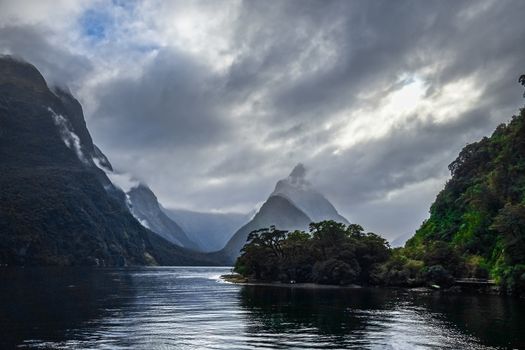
(211, 103)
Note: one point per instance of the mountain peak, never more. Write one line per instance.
(298, 172)
(21, 74)
(302, 193)
(296, 181)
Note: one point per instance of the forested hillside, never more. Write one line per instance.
(480, 214)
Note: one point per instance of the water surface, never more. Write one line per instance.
(190, 308)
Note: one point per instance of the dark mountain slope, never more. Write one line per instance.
(277, 211)
(56, 206)
(146, 208)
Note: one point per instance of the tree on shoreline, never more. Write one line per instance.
(330, 253)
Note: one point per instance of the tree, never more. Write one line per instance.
(334, 271)
(328, 238)
(270, 238)
(442, 254)
(331, 253)
(262, 256)
(510, 224)
(298, 261)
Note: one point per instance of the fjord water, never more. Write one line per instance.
(191, 308)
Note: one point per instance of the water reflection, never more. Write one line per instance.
(498, 321)
(385, 318)
(329, 311)
(190, 308)
(43, 304)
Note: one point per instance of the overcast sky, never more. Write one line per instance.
(212, 102)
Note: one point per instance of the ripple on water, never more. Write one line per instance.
(190, 308)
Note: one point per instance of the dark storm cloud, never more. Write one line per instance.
(374, 45)
(241, 161)
(370, 46)
(409, 154)
(174, 102)
(58, 65)
(208, 132)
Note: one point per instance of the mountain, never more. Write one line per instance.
(301, 193)
(57, 207)
(293, 205)
(146, 208)
(211, 231)
(277, 211)
(480, 214)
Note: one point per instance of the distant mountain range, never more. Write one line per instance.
(210, 231)
(145, 207)
(293, 205)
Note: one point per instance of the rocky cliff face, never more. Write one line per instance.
(56, 205)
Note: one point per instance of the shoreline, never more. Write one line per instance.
(243, 281)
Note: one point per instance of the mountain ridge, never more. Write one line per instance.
(146, 208)
(56, 206)
(301, 192)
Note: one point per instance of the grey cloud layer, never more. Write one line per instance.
(58, 64)
(217, 131)
(176, 101)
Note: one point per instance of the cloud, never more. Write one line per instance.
(211, 103)
(173, 102)
(59, 65)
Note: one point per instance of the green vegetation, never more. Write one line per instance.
(479, 217)
(331, 253)
(476, 229)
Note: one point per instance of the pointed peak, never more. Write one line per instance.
(298, 172)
